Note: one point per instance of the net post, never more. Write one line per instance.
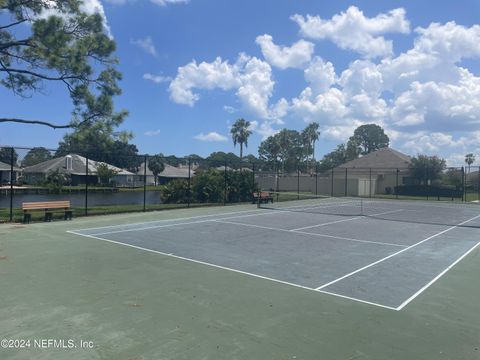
(189, 182)
(426, 181)
(145, 183)
(346, 179)
(12, 156)
(86, 185)
(361, 207)
(463, 185)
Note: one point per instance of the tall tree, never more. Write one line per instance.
(63, 45)
(156, 166)
(368, 138)
(310, 136)
(334, 158)
(469, 160)
(285, 146)
(269, 151)
(240, 133)
(6, 155)
(35, 156)
(426, 168)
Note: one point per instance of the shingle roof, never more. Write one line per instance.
(385, 158)
(169, 172)
(6, 167)
(78, 165)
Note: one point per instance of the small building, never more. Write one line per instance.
(5, 172)
(169, 173)
(76, 167)
(375, 173)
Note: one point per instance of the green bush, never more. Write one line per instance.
(175, 192)
(208, 186)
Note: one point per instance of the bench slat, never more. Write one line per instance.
(41, 205)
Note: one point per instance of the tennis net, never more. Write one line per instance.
(410, 211)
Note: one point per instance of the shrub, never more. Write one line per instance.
(175, 192)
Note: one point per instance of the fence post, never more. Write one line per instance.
(370, 182)
(346, 179)
(225, 184)
(12, 155)
(86, 185)
(298, 180)
(396, 185)
(253, 176)
(463, 185)
(145, 183)
(189, 181)
(331, 190)
(316, 178)
(478, 184)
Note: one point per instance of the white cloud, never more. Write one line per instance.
(329, 106)
(168, 2)
(157, 79)
(229, 109)
(146, 44)
(211, 136)
(320, 75)
(285, 57)
(353, 31)
(249, 76)
(152, 132)
(89, 7)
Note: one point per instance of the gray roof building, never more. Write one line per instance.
(71, 164)
(384, 158)
(170, 171)
(6, 167)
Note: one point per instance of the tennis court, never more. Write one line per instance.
(380, 252)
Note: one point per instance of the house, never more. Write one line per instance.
(375, 173)
(75, 166)
(5, 170)
(169, 173)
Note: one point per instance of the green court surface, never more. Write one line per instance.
(134, 304)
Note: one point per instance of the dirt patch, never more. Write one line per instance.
(3, 258)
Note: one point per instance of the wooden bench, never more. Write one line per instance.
(48, 206)
(262, 197)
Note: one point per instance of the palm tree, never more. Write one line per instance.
(156, 166)
(469, 159)
(240, 133)
(310, 135)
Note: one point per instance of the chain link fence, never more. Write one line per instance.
(101, 183)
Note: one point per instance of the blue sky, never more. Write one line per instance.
(191, 68)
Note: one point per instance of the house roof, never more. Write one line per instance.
(169, 171)
(77, 167)
(384, 158)
(6, 167)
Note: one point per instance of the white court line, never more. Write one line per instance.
(343, 220)
(232, 270)
(307, 233)
(164, 220)
(411, 298)
(394, 254)
(262, 213)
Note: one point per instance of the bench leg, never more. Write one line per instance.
(48, 216)
(68, 215)
(27, 218)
